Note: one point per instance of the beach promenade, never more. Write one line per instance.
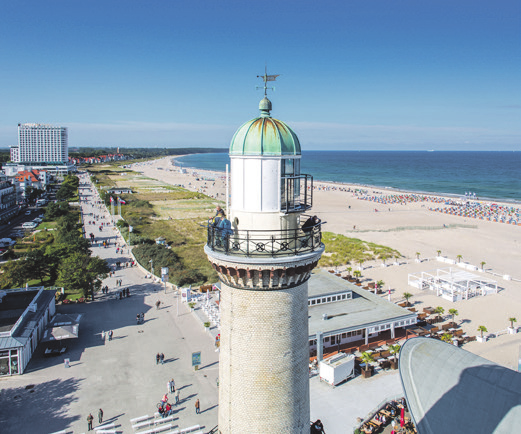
(120, 376)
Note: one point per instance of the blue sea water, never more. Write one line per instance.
(490, 175)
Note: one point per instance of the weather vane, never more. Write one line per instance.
(265, 79)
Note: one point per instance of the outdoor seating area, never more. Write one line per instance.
(211, 310)
(448, 331)
(391, 416)
(453, 284)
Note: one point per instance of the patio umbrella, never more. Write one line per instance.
(402, 420)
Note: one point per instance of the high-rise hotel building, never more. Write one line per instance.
(41, 144)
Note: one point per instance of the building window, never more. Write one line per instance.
(329, 299)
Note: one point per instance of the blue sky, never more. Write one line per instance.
(373, 75)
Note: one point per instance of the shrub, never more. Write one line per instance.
(187, 277)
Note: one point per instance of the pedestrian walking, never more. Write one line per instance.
(100, 416)
(90, 418)
(197, 406)
(172, 385)
(162, 358)
(158, 356)
(168, 386)
(177, 397)
(103, 335)
(158, 303)
(111, 333)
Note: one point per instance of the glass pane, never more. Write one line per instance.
(14, 365)
(289, 167)
(4, 366)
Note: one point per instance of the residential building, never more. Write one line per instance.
(8, 204)
(37, 179)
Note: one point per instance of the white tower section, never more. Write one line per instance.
(264, 263)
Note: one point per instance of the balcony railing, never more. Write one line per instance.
(296, 193)
(264, 243)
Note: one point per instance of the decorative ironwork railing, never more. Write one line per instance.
(264, 243)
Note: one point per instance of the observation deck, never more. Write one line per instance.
(265, 244)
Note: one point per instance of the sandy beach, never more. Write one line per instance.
(410, 228)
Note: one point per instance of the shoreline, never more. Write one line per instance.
(389, 189)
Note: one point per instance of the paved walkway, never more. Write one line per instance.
(120, 376)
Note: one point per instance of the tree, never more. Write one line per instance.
(380, 284)
(394, 350)
(482, 263)
(446, 337)
(55, 210)
(79, 271)
(482, 329)
(459, 258)
(512, 321)
(367, 358)
(439, 310)
(407, 295)
(37, 264)
(453, 313)
(14, 274)
(438, 252)
(417, 255)
(357, 274)
(349, 269)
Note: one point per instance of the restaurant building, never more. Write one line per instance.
(345, 315)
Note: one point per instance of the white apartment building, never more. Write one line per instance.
(39, 143)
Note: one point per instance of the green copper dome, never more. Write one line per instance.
(265, 136)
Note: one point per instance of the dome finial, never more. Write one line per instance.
(265, 104)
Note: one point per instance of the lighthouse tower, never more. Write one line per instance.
(264, 262)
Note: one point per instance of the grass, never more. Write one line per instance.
(341, 250)
(159, 209)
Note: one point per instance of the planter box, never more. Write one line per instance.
(481, 339)
(512, 330)
(366, 374)
(394, 364)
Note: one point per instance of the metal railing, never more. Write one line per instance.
(296, 193)
(264, 243)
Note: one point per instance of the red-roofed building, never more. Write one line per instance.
(37, 179)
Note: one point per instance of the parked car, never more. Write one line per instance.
(28, 212)
(37, 220)
(29, 225)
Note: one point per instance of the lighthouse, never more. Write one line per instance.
(264, 259)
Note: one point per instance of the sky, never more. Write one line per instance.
(354, 75)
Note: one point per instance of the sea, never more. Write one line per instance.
(490, 175)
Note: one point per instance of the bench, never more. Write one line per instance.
(142, 424)
(60, 432)
(164, 419)
(106, 431)
(158, 429)
(190, 429)
(139, 419)
(107, 426)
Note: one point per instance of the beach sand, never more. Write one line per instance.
(408, 228)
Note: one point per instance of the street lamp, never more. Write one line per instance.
(152, 267)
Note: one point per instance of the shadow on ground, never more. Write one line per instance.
(44, 404)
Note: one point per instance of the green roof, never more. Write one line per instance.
(265, 136)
